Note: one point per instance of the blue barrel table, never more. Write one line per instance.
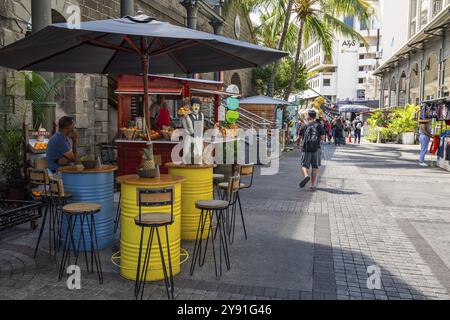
(92, 186)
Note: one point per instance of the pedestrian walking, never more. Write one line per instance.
(311, 135)
(328, 130)
(424, 139)
(357, 127)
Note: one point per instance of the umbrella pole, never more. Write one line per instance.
(145, 64)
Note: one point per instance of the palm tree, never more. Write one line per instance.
(269, 31)
(246, 5)
(287, 8)
(319, 19)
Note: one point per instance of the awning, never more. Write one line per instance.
(440, 22)
(152, 91)
(353, 108)
(212, 92)
(264, 100)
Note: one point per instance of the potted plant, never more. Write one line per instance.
(41, 91)
(404, 124)
(88, 159)
(11, 161)
(148, 167)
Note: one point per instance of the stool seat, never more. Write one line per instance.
(154, 219)
(82, 208)
(218, 176)
(224, 185)
(211, 204)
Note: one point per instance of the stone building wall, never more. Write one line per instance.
(89, 97)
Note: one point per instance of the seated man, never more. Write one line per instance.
(62, 147)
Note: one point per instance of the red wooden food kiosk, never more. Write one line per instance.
(175, 92)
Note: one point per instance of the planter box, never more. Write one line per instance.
(408, 138)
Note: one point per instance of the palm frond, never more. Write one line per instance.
(339, 26)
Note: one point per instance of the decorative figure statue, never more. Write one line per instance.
(193, 123)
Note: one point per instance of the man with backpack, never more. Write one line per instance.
(311, 134)
(358, 125)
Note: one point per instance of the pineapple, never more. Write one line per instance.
(147, 159)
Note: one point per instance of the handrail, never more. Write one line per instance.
(242, 110)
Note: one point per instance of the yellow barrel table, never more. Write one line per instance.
(198, 185)
(130, 232)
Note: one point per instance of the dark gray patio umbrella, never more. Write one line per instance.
(132, 45)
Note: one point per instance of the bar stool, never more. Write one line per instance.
(153, 221)
(40, 178)
(246, 171)
(208, 209)
(81, 212)
(58, 198)
(217, 178)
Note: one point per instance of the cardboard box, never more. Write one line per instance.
(39, 163)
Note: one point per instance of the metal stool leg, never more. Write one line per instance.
(94, 248)
(141, 279)
(197, 245)
(44, 219)
(67, 244)
(118, 214)
(163, 262)
(172, 287)
(242, 215)
(148, 253)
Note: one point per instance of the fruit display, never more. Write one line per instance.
(154, 135)
(40, 146)
(38, 193)
(166, 133)
(184, 111)
(130, 132)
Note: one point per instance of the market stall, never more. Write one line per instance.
(438, 111)
(168, 93)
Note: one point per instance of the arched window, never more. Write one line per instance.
(402, 89)
(431, 75)
(236, 80)
(386, 93)
(414, 83)
(446, 87)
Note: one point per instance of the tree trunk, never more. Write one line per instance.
(287, 21)
(296, 63)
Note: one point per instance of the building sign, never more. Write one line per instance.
(349, 46)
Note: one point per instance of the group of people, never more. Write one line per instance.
(313, 132)
(341, 130)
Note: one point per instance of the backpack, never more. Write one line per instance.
(359, 125)
(311, 138)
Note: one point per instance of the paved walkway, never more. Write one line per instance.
(375, 207)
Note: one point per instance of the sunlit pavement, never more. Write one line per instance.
(375, 210)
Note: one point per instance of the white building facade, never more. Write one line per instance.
(420, 69)
(349, 74)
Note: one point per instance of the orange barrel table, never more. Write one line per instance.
(130, 232)
(197, 186)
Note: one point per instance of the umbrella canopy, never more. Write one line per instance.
(132, 45)
(353, 108)
(115, 47)
(264, 100)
